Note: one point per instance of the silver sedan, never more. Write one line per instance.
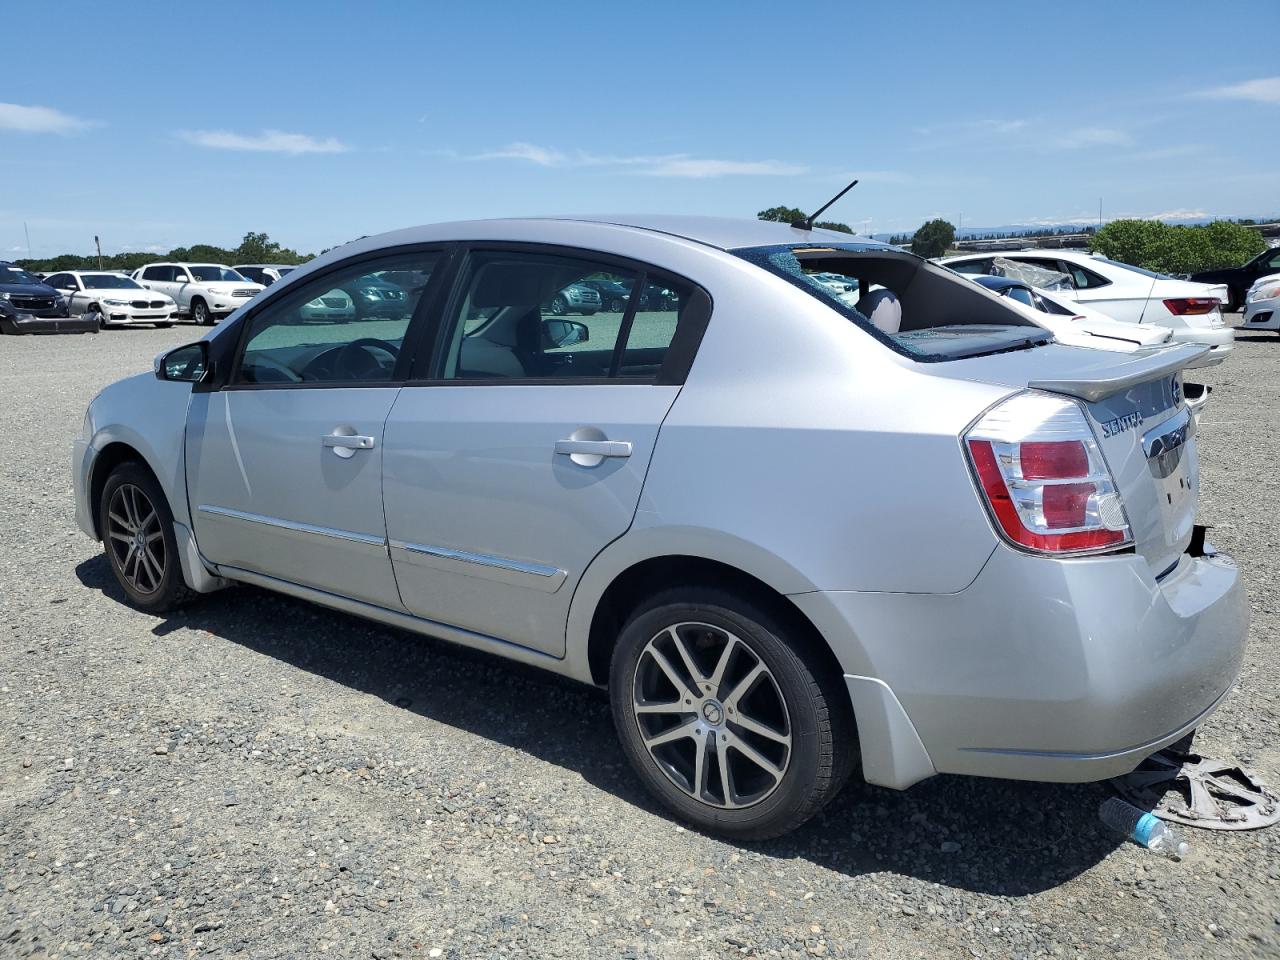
(795, 532)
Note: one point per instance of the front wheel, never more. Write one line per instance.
(560, 306)
(137, 533)
(727, 715)
(200, 312)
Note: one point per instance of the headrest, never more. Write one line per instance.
(513, 284)
(882, 308)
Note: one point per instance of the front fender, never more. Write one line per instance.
(149, 416)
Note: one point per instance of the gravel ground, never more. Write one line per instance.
(257, 777)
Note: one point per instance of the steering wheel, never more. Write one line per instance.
(357, 360)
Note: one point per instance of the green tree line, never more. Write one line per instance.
(1166, 248)
(254, 248)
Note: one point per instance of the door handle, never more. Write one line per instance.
(594, 448)
(592, 453)
(346, 445)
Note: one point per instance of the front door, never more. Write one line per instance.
(284, 463)
(524, 452)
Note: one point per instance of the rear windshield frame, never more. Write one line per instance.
(764, 258)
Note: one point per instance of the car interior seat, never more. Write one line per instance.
(883, 309)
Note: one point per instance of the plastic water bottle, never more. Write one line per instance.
(1145, 829)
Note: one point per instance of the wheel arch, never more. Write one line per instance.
(107, 459)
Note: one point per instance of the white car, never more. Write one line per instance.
(1193, 311)
(1262, 304)
(205, 292)
(116, 300)
(263, 273)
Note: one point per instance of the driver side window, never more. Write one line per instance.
(346, 326)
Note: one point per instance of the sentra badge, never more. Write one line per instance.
(1118, 425)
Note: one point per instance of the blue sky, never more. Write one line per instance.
(157, 125)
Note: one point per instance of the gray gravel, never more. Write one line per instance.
(257, 777)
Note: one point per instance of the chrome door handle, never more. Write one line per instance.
(346, 445)
(594, 448)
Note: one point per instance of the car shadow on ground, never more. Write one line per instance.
(1247, 338)
(988, 836)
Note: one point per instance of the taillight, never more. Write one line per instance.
(1192, 306)
(1043, 478)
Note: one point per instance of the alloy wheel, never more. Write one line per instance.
(711, 715)
(136, 539)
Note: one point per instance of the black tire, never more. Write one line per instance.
(616, 305)
(200, 313)
(817, 717)
(559, 306)
(97, 310)
(129, 482)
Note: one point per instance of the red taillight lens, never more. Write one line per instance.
(1192, 306)
(1046, 495)
(1053, 461)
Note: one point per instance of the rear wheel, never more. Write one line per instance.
(559, 306)
(616, 305)
(200, 312)
(729, 718)
(137, 533)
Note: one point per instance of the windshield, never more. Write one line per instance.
(918, 309)
(108, 281)
(9, 274)
(214, 273)
(283, 270)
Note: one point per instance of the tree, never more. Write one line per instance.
(792, 214)
(257, 248)
(933, 239)
(1165, 248)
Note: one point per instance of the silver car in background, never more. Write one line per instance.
(793, 536)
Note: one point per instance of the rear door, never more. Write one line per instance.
(284, 462)
(522, 451)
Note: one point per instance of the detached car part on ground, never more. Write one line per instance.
(791, 541)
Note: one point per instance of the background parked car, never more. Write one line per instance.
(576, 298)
(263, 273)
(28, 305)
(1239, 279)
(613, 295)
(1262, 304)
(1193, 311)
(205, 292)
(1073, 322)
(112, 299)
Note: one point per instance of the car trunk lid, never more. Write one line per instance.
(1146, 432)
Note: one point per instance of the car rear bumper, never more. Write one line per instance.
(34, 323)
(1219, 340)
(1059, 670)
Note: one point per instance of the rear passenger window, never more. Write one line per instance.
(527, 316)
(973, 267)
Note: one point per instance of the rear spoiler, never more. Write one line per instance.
(1118, 377)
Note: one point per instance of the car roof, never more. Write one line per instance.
(722, 233)
(273, 266)
(997, 283)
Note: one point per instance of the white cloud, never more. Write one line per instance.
(269, 141)
(1082, 137)
(666, 165)
(1262, 90)
(15, 116)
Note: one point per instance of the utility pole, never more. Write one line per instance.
(28, 233)
(1099, 213)
(98, 243)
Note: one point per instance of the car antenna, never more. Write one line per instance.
(807, 222)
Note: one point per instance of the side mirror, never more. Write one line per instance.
(564, 333)
(189, 364)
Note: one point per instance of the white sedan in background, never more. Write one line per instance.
(1262, 304)
(1193, 311)
(116, 299)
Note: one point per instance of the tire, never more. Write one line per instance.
(795, 697)
(133, 504)
(616, 305)
(200, 313)
(559, 306)
(102, 323)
